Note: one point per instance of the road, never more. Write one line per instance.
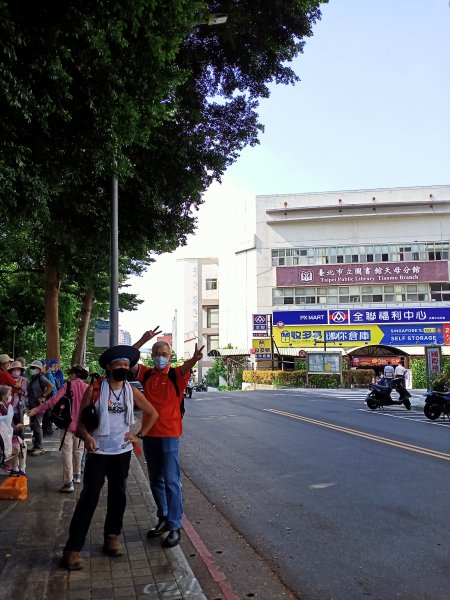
(341, 502)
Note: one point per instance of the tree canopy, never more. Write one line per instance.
(143, 90)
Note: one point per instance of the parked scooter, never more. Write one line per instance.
(380, 394)
(201, 387)
(437, 403)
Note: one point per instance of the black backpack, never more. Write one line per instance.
(173, 378)
(61, 414)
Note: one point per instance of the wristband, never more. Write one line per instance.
(139, 435)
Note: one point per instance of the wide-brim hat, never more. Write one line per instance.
(36, 363)
(16, 365)
(117, 352)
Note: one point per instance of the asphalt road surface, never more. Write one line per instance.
(341, 502)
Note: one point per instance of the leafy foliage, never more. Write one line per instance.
(137, 89)
(217, 370)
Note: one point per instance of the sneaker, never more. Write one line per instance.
(77, 478)
(67, 487)
(112, 546)
(22, 473)
(36, 451)
(71, 560)
(13, 473)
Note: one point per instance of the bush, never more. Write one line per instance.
(323, 380)
(284, 378)
(363, 376)
(290, 378)
(238, 378)
(419, 373)
(442, 381)
(218, 369)
(360, 377)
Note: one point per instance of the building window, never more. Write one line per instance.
(212, 317)
(440, 292)
(324, 255)
(370, 294)
(211, 284)
(212, 343)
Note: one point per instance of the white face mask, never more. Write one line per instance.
(15, 373)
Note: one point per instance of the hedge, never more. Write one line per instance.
(298, 378)
(291, 378)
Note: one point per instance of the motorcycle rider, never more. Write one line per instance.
(400, 371)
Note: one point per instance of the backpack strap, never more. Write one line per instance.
(147, 375)
(172, 375)
(96, 387)
(40, 383)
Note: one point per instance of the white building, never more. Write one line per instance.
(336, 270)
(197, 318)
(356, 268)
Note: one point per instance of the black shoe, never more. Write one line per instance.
(173, 539)
(159, 529)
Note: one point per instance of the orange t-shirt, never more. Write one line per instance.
(160, 392)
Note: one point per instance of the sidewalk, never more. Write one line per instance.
(33, 533)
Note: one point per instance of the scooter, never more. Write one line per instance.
(437, 403)
(380, 395)
(201, 387)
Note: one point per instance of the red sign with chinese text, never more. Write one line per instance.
(363, 273)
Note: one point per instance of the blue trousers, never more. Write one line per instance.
(163, 464)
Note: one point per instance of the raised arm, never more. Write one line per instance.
(191, 362)
(147, 336)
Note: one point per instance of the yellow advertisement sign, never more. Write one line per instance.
(333, 335)
(262, 347)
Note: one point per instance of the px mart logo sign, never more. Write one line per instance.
(338, 317)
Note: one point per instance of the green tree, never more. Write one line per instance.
(137, 89)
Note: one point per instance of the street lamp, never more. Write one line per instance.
(213, 19)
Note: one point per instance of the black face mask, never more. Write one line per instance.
(120, 374)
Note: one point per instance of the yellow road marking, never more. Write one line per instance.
(362, 434)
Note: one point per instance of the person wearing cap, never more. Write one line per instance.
(54, 367)
(72, 448)
(6, 377)
(162, 442)
(108, 452)
(20, 397)
(39, 387)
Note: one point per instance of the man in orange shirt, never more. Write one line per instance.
(162, 443)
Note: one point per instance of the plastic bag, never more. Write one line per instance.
(6, 432)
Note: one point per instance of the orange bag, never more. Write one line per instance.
(14, 488)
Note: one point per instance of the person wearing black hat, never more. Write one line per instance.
(109, 451)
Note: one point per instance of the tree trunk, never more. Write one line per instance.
(78, 356)
(52, 284)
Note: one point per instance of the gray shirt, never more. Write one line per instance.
(36, 386)
(389, 371)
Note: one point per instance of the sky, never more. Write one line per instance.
(372, 110)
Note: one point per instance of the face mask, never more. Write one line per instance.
(15, 373)
(120, 374)
(160, 362)
(33, 371)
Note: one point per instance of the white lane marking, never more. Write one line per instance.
(409, 417)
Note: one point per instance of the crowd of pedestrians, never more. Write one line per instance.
(97, 443)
